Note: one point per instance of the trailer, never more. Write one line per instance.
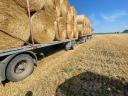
(18, 63)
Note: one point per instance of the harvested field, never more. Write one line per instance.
(96, 68)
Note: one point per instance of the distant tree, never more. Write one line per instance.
(125, 31)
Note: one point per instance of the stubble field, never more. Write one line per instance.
(98, 67)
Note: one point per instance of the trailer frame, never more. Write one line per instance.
(10, 54)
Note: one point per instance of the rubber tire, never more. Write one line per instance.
(73, 45)
(68, 46)
(12, 76)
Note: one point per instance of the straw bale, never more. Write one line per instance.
(14, 28)
(61, 30)
(43, 29)
(34, 4)
(75, 31)
(64, 6)
(80, 29)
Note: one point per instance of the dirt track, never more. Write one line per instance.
(95, 64)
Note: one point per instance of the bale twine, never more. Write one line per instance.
(14, 29)
(60, 26)
(43, 26)
(34, 4)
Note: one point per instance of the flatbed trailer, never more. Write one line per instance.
(18, 63)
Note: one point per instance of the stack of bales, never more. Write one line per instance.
(61, 21)
(88, 26)
(14, 22)
(14, 29)
(83, 25)
(43, 17)
(51, 20)
(80, 25)
(70, 23)
(75, 35)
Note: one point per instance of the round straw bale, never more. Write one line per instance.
(58, 11)
(80, 29)
(7, 42)
(14, 28)
(80, 19)
(75, 31)
(71, 20)
(71, 15)
(51, 3)
(88, 31)
(43, 26)
(61, 29)
(34, 4)
(64, 5)
(87, 22)
(76, 34)
(80, 24)
(85, 31)
(70, 30)
(73, 11)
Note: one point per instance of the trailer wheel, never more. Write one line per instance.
(81, 41)
(70, 45)
(20, 67)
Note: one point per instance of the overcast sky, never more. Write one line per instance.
(105, 15)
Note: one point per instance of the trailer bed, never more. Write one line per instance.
(28, 47)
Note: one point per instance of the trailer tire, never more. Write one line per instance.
(68, 46)
(20, 67)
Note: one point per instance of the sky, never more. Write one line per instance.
(105, 15)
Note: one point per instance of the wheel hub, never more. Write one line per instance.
(20, 67)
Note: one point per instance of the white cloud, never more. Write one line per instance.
(111, 17)
(125, 26)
